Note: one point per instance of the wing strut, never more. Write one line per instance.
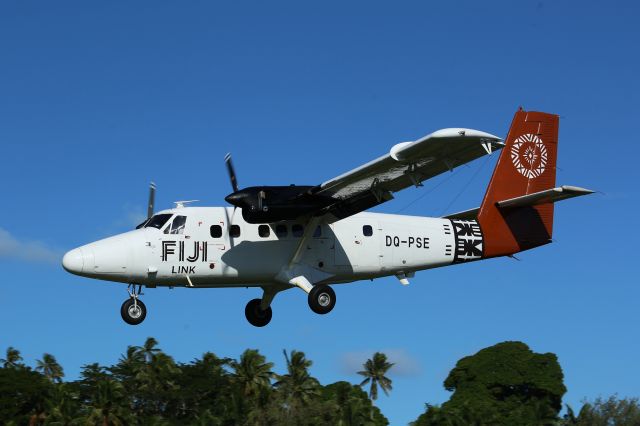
(299, 274)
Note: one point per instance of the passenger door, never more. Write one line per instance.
(357, 244)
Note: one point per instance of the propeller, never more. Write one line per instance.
(152, 199)
(232, 172)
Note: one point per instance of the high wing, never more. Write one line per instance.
(406, 164)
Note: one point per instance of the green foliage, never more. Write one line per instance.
(352, 405)
(13, 358)
(505, 384)
(147, 387)
(50, 368)
(23, 394)
(606, 412)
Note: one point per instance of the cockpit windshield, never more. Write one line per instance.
(176, 226)
(158, 221)
(143, 223)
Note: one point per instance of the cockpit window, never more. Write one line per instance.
(158, 221)
(177, 226)
(142, 224)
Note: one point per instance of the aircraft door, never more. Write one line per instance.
(357, 244)
(219, 242)
(320, 248)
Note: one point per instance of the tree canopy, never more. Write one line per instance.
(505, 384)
(147, 386)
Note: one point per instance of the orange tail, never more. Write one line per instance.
(527, 164)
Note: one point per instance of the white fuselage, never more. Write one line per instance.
(202, 253)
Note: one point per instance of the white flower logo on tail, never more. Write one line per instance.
(529, 155)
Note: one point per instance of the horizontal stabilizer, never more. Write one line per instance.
(547, 196)
(470, 214)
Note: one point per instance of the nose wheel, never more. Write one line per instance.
(133, 311)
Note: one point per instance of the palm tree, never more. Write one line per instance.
(374, 372)
(12, 359)
(570, 418)
(93, 373)
(62, 405)
(128, 364)
(298, 385)
(108, 403)
(50, 368)
(252, 373)
(149, 350)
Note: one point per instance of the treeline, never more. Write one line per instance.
(147, 387)
(505, 384)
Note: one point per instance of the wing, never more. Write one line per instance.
(407, 164)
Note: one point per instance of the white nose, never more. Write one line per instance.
(73, 261)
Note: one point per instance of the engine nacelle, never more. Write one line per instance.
(267, 204)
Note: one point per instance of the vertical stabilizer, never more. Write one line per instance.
(527, 164)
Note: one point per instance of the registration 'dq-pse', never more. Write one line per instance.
(309, 237)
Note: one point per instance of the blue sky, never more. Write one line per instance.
(97, 99)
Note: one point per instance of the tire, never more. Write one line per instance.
(322, 299)
(130, 314)
(256, 316)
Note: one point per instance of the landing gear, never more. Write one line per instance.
(256, 315)
(133, 311)
(322, 299)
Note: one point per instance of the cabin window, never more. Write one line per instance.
(281, 231)
(158, 220)
(176, 227)
(264, 231)
(297, 230)
(215, 231)
(367, 230)
(234, 231)
(318, 232)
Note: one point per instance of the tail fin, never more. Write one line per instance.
(527, 165)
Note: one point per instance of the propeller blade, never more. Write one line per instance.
(232, 172)
(152, 199)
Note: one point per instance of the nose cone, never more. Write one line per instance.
(73, 261)
(236, 198)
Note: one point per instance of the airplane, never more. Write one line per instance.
(310, 237)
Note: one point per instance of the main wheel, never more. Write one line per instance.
(322, 299)
(255, 315)
(133, 313)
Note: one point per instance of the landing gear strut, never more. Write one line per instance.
(322, 299)
(133, 311)
(257, 316)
